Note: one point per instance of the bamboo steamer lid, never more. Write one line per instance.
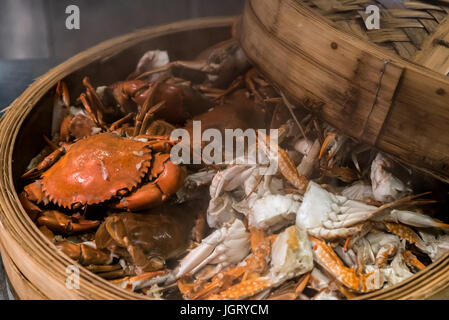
(377, 86)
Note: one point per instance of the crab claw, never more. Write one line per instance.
(84, 254)
(61, 223)
(34, 193)
(45, 164)
(225, 246)
(31, 209)
(170, 178)
(328, 259)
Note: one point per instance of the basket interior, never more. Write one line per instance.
(37, 124)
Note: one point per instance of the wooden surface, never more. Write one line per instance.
(361, 89)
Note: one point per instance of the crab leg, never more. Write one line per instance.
(116, 125)
(30, 208)
(404, 233)
(286, 166)
(242, 290)
(253, 267)
(294, 292)
(61, 223)
(338, 233)
(250, 83)
(84, 254)
(93, 96)
(45, 164)
(145, 108)
(149, 116)
(61, 103)
(89, 109)
(411, 260)
(327, 258)
(141, 281)
(251, 282)
(415, 219)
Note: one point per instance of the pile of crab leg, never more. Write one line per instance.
(336, 219)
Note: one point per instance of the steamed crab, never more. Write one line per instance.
(132, 174)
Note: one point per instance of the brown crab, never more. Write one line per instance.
(145, 240)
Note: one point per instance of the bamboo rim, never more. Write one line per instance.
(19, 236)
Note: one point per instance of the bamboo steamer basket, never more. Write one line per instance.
(385, 87)
(36, 269)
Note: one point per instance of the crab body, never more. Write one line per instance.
(147, 240)
(107, 167)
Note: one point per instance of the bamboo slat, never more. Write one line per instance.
(409, 23)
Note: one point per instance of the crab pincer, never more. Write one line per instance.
(63, 224)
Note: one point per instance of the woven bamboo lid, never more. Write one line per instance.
(373, 85)
(405, 25)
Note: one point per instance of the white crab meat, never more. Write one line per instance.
(329, 216)
(386, 187)
(398, 270)
(271, 212)
(359, 191)
(152, 60)
(305, 168)
(318, 280)
(224, 247)
(414, 219)
(383, 245)
(347, 256)
(199, 179)
(258, 185)
(303, 146)
(435, 246)
(364, 253)
(220, 211)
(291, 255)
(230, 179)
(326, 295)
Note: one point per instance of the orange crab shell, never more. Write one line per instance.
(95, 169)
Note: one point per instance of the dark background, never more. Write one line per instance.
(33, 36)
